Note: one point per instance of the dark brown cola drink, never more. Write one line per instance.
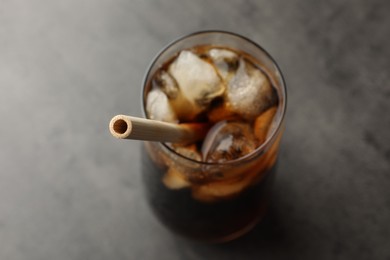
(216, 189)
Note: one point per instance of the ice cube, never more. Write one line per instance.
(198, 81)
(189, 151)
(225, 61)
(263, 124)
(179, 104)
(167, 84)
(226, 189)
(158, 106)
(173, 179)
(227, 141)
(249, 92)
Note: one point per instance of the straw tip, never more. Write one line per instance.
(120, 126)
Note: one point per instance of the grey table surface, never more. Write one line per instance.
(68, 190)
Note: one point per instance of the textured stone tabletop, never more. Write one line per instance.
(68, 190)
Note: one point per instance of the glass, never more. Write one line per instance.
(216, 202)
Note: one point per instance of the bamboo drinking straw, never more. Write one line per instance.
(128, 127)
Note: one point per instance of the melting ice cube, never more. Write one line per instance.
(249, 92)
(189, 151)
(167, 84)
(158, 106)
(228, 141)
(173, 179)
(215, 191)
(263, 124)
(225, 61)
(197, 79)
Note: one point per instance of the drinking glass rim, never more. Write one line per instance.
(259, 149)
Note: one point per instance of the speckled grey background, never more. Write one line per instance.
(68, 190)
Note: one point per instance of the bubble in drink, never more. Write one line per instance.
(249, 92)
(228, 141)
(158, 106)
(198, 82)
